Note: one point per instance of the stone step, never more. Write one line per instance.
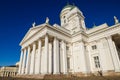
(37, 76)
(64, 77)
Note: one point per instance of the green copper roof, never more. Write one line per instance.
(71, 6)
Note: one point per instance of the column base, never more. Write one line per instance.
(117, 70)
(56, 72)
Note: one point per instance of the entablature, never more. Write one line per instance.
(115, 29)
(47, 29)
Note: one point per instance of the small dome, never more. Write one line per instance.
(68, 6)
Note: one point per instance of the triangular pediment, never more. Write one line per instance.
(30, 33)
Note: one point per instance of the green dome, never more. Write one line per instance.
(69, 6)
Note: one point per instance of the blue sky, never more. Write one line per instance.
(16, 17)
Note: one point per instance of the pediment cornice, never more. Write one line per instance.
(31, 32)
(34, 30)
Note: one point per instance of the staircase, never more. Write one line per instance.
(57, 77)
(63, 77)
(72, 77)
(37, 76)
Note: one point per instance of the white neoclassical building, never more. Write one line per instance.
(70, 47)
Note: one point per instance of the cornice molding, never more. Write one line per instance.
(105, 30)
(46, 26)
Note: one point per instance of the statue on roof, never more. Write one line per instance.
(94, 25)
(47, 20)
(33, 24)
(116, 20)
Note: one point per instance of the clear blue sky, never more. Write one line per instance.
(16, 17)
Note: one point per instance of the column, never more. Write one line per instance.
(61, 58)
(24, 60)
(115, 50)
(56, 57)
(83, 64)
(64, 58)
(117, 57)
(103, 47)
(39, 56)
(46, 54)
(72, 59)
(113, 54)
(89, 58)
(28, 61)
(101, 54)
(50, 58)
(20, 63)
(32, 70)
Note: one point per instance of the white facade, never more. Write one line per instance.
(71, 47)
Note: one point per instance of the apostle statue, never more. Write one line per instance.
(33, 24)
(47, 20)
(116, 20)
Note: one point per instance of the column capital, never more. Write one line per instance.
(21, 49)
(24, 49)
(46, 34)
(62, 40)
(33, 42)
(108, 37)
(39, 39)
(55, 37)
(28, 46)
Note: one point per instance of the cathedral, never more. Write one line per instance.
(70, 48)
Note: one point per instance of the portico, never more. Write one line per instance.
(42, 56)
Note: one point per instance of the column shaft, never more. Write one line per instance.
(46, 54)
(24, 60)
(83, 63)
(32, 71)
(39, 56)
(113, 54)
(56, 56)
(64, 57)
(50, 58)
(20, 63)
(116, 53)
(28, 61)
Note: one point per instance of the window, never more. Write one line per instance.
(96, 61)
(94, 47)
